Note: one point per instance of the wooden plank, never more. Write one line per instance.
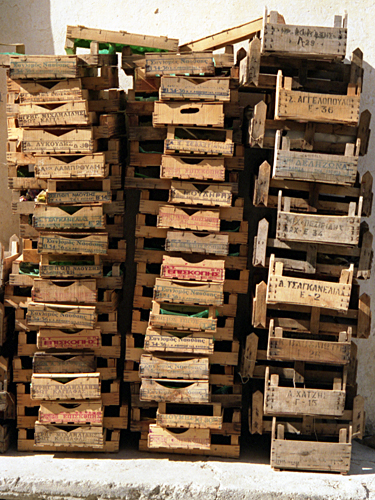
(250, 64)
(199, 63)
(73, 243)
(302, 401)
(225, 37)
(70, 266)
(170, 216)
(181, 392)
(212, 89)
(187, 193)
(206, 270)
(50, 167)
(63, 363)
(281, 348)
(304, 41)
(215, 244)
(56, 218)
(177, 420)
(83, 413)
(51, 435)
(89, 197)
(161, 341)
(249, 356)
(256, 426)
(71, 113)
(313, 167)
(262, 185)
(58, 339)
(260, 244)
(187, 369)
(121, 38)
(300, 291)
(199, 114)
(82, 291)
(310, 228)
(187, 292)
(198, 146)
(60, 316)
(55, 67)
(181, 322)
(257, 125)
(75, 386)
(314, 107)
(174, 167)
(160, 437)
(28, 92)
(77, 141)
(310, 455)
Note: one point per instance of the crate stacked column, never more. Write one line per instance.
(300, 354)
(189, 349)
(65, 149)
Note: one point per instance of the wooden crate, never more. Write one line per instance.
(197, 63)
(173, 321)
(57, 218)
(75, 386)
(296, 105)
(301, 291)
(78, 167)
(183, 367)
(221, 143)
(90, 413)
(161, 437)
(200, 417)
(205, 270)
(199, 114)
(60, 316)
(30, 92)
(167, 342)
(310, 455)
(77, 141)
(73, 243)
(292, 400)
(197, 88)
(82, 291)
(197, 391)
(304, 41)
(64, 362)
(187, 292)
(199, 220)
(88, 192)
(310, 228)
(70, 113)
(179, 167)
(71, 266)
(187, 193)
(216, 244)
(81, 436)
(54, 67)
(315, 167)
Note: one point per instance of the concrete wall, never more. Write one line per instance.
(41, 25)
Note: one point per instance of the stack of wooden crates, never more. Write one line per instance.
(300, 355)
(65, 143)
(191, 248)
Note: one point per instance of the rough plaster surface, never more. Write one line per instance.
(41, 25)
(134, 476)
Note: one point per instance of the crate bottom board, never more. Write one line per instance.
(216, 450)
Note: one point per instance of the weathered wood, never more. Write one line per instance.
(174, 145)
(199, 114)
(175, 321)
(364, 316)
(181, 392)
(309, 455)
(49, 167)
(82, 291)
(300, 291)
(262, 185)
(158, 64)
(259, 319)
(187, 193)
(257, 125)
(256, 424)
(58, 339)
(28, 92)
(63, 363)
(80, 437)
(75, 386)
(53, 315)
(301, 401)
(56, 218)
(281, 348)
(187, 369)
(314, 167)
(206, 270)
(73, 243)
(183, 168)
(160, 437)
(81, 197)
(249, 356)
(365, 259)
(187, 292)
(161, 341)
(337, 230)
(170, 216)
(250, 64)
(58, 414)
(304, 41)
(215, 244)
(213, 89)
(71, 113)
(297, 105)
(70, 266)
(43, 67)
(77, 141)
(177, 420)
(260, 244)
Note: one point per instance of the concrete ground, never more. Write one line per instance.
(131, 475)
